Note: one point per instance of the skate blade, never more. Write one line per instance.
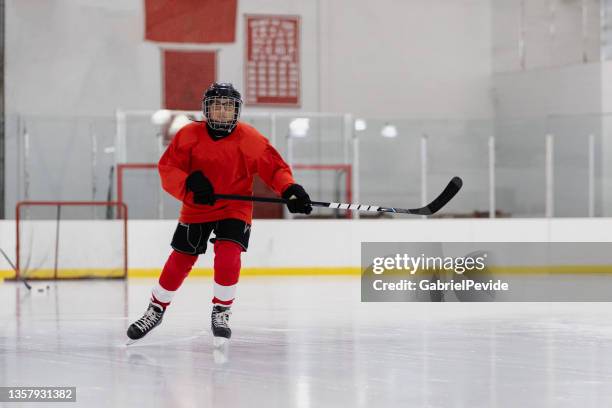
(220, 341)
(132, 341)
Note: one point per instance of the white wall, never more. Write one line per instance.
(409, 59)
(73, 57)
(567, 90)
(563, 101)
(544, 33)
(545, 57)
(606, 148)
(419, 58)
(546, 64)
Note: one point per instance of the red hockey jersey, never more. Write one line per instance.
(229, 163)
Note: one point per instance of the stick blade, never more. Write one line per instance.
(445, 196)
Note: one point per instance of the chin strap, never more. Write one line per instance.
(217, 133)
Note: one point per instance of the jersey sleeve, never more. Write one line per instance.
(273, 170)
(174, 166)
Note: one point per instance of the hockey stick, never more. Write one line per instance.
(25, 282)
(440, 201)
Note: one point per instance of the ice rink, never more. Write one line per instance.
(303, 342)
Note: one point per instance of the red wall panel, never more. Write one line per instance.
(187, 74)
(192, 21)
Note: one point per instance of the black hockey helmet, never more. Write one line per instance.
(222, 95)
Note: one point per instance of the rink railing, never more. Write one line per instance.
(554, 166)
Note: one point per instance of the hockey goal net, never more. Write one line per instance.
(138, 186)
(71, 239)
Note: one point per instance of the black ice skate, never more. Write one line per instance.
(220, 324)
(151, 319)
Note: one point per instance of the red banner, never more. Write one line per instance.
(272, 68)
(191, 21)
(187, 74)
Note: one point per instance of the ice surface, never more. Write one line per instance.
(303, 342)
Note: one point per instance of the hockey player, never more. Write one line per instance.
(219, 155)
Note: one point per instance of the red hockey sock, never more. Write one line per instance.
(227, 271)
(175, 271)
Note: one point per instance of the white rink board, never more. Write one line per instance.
(333, 243)
(83, 244)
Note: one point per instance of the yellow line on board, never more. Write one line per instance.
(356, 271)
(49, 273)
(303, 271)
(315, 271)
(155, 272)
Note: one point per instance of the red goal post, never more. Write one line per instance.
(71, 239)
(343, 168)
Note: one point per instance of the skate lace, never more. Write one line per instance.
(221, 319)
(148, 320)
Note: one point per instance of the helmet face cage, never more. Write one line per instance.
(222, 112)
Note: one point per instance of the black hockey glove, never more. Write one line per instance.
(203, 192)
(298, 199)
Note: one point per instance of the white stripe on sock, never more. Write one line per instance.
(162, 294)
(224, 293)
